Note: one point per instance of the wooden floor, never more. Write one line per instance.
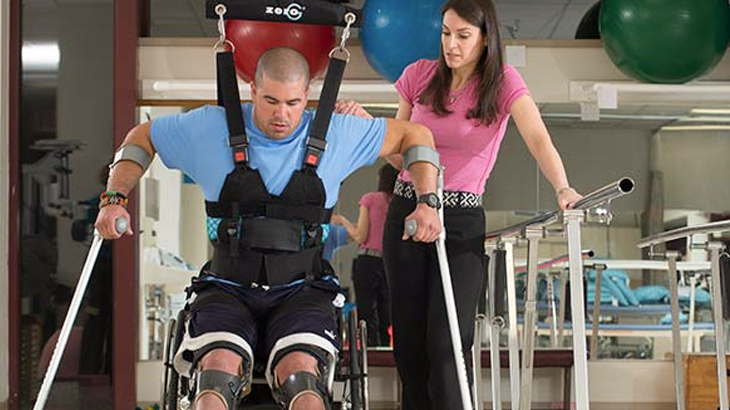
(71, 395)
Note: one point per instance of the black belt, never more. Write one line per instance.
(263, 268)
(452, 199)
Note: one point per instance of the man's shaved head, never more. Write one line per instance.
(282, 64)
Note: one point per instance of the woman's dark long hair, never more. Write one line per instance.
(387, 175)
(483, 14)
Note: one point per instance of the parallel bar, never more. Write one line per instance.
(663, 237)
(476, 362)
(691, 321)
(495, 364)
(552, 311)
(596, 311)
(562, 259)
(602, 195)
(715, 248)
(676, 336)
(605, 194)
(635, 264)
(528, 337)
(572, 220)
(514, 339)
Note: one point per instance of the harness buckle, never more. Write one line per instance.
(239, 144)
(232, 230)
(315, 148)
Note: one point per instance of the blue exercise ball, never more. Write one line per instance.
(665, 41)
(396, 33)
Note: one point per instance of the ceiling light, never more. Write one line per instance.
(40, 57)
(705, 119)
(710, 111)
(695, 128)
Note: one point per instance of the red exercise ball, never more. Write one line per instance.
(252, 38)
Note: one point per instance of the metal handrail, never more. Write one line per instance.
(678, 233)
(600, 196)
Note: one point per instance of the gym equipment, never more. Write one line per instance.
(397, 33)
(533, 230)
(73, 309)
(252, 38)
(326, 12)
(665, 41)
(716, 249)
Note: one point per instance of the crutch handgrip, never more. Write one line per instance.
(411, 227)
(121, 225)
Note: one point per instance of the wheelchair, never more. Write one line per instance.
(350, 369)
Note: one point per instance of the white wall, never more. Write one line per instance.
(696, 169)
(592, 158)
(4, 193)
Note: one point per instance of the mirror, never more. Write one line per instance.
(679, 181)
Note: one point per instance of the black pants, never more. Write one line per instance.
(371, 295)
(422, 345)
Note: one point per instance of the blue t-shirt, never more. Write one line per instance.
(196, 143)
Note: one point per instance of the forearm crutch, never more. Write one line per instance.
(411, 228)
(73, 310)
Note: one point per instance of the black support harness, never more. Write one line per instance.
(262, 238)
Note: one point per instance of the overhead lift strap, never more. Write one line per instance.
(301, 11)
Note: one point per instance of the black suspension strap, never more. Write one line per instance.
(228, 96)
(317, 140)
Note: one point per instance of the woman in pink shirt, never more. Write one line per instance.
(368, 272)
(465, 98)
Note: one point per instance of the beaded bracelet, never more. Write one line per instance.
(112, 198)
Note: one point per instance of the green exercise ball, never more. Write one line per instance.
(665, 41)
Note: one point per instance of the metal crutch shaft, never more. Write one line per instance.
(411, 227)
(73, 310)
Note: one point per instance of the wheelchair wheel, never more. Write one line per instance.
(175, 387)
(356, 377)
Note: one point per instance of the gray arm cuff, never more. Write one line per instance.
(133, 153)
(421, 153)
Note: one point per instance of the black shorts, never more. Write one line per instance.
(254, 322)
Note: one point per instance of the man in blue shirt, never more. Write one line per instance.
(266, 296)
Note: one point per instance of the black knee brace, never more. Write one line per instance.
(228, 387)
(297, 384)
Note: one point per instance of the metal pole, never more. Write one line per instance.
(528, 337)
(572, 220)
(496, 366)
(691, 319)
(476, 361)
(596, 310)
(715, 248)
(495, 325)
(676, 336)
(562, 305)
(552, 311)
(514, 339)
(365, 383)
